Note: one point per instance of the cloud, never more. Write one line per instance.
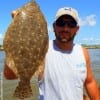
(88, 39)
(50, 29)
(88, 20)
(1, 38)
(91, 40)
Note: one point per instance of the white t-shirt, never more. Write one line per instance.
(64, 74)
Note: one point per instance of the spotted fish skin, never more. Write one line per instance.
(26, 44)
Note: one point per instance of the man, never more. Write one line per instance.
(67, 65)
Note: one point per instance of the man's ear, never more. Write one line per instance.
(53, 24)
(76, 29)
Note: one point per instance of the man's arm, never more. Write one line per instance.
(90, 83)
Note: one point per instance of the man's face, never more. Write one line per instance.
(65, 29)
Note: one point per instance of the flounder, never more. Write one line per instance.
(25, 44)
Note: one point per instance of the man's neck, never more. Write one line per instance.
(64, 46)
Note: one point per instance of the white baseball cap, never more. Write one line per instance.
(67, 11)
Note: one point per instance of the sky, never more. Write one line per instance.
(89, 17)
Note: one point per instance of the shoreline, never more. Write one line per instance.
(87, 47)
(1, 49)
(95, 46)
(91, 46)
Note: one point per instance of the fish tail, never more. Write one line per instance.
(23, 90)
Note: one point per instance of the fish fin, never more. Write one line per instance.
(23, 90)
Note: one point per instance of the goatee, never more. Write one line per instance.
(64, 40)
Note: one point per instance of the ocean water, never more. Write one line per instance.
(95, 63)
(2, 57)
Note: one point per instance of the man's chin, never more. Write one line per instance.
(64, 40)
